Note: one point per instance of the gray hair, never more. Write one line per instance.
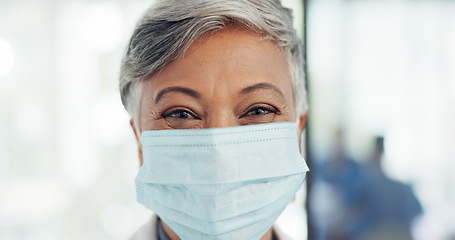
(168, 29)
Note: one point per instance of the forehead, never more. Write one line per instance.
(232, 57)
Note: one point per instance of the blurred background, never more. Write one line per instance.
(382, 113)
(381, 134)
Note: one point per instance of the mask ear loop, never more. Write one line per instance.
(300, 195)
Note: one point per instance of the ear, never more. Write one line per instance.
(300, 127)
(137, 134)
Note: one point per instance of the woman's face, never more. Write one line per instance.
(230, 78)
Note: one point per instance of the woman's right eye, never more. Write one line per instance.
(179, 113)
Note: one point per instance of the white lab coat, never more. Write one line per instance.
(149, 231)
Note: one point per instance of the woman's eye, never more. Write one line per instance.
(257, 114)
(260, 111)
(179, 113)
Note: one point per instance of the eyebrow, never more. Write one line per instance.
(262, 86)
(187, 91)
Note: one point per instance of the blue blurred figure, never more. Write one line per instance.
(338, 181)
(384, 208)
(352, 201)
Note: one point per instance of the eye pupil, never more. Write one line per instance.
(180, 114)
(258, 111)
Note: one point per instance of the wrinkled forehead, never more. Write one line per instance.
(234, 57)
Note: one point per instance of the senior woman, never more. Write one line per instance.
(216, 93)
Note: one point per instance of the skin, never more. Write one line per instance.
(229, 78)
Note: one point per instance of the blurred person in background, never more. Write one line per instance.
(384, 208)
(365, 204)
(215, 91)
(341, 178)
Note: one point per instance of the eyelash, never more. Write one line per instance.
(267, 109)
(169, 113)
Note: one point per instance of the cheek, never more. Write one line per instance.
(250, 120)
(179, 124)
(291, 106)
(292, 114)
(151, 123)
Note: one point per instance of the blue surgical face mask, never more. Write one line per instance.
(220, 183)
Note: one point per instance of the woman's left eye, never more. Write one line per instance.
(260, 111)
(181, 114)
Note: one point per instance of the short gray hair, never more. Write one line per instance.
(168, 29)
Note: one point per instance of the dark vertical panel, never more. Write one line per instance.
(308, 157)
